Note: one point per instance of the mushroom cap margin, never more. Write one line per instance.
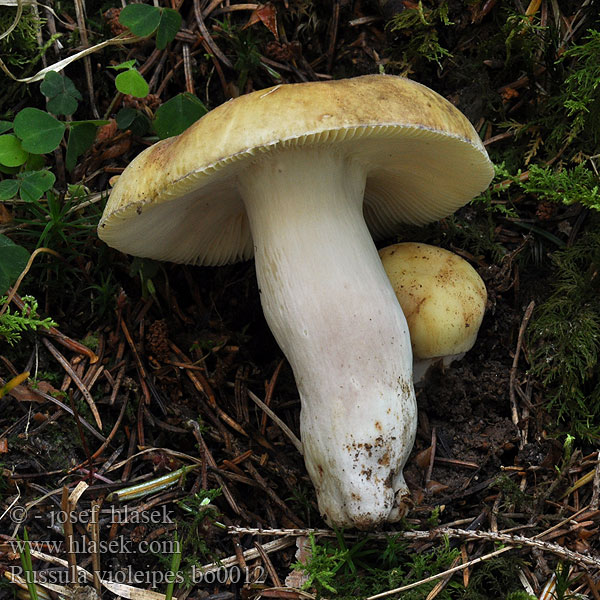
(178, 200)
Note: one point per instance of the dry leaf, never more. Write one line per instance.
(435, 487)
(117, 149)
(24, 394)
(267, 15)
(297, 578)
(107, 132)
(423, 458)
(5, 215)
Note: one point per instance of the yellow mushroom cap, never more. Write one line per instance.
(180, 199)
(441, 295)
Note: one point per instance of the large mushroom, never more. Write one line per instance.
(301, 176)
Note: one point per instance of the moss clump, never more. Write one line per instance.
(13, 324)
(20, 47)
(569, 116)
(581, 91)
(336, 570)
(20, 52)
(565, 337)
(544, 184)
(421, 41)
(568, 186)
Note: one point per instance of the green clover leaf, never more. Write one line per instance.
(11, 151)
(177, 114)
(131, 82)
(39, 131)
(141, 19)
(63, 97)
(34, 184)
(13, 259)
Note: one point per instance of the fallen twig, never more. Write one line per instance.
(503, 538)
(290, 434)
(76, 380)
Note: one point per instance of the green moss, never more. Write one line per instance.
(567, 115)
(497, 578)
(20, 53)
(199, 515)
(91, 341)
(336, 570)
(474, 235)
(418, 27)
(543, 184)
(20, 46)
(523, 39)
(245, 44)
(13, 324)
(564, 337)
(513, 496)
(567, 186)
(580, 98)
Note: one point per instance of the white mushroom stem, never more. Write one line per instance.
(332, 310)
(421, 366)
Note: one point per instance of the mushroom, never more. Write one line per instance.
(442, 297)
(302, 176)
